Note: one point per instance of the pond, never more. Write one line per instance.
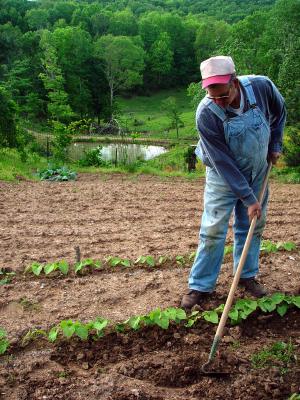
(117, 153)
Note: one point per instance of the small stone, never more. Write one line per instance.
(295, 388)
(228, 339)
(85, 365)
(192, 339)
(169, 344)
(176, 335)
(277, 393)
(80, 356)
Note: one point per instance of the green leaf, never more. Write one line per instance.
(220, 309)
(63, 267)
(234, 314)
(266, 304)
(282, 309)
(289, 246)
(140, 260)
(78, 267)
(163, 321)
(48, 268)
(99, 324)
(150, 261)
(125, 263)
(68, 328)
(120, 327)
(53, 334)
(36, 268)
(192, 256)
(180, 260)
(277, 298)
(4, 281)
(81, 331)
(211, 316)
(134, 322)
(3, 333)
(296, 301)
(114, 261)
(228, 250)
(4, 344)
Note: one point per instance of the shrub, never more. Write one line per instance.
(291, 146)
(81, 127)
(61, 140)
(57, 174)
(93, 158)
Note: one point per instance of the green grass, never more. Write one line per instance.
(286, 174)
(279, 354)
(152, 119)
(12, 167)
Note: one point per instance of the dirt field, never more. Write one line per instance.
(127, 217)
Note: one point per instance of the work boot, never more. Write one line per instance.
(193, 297)
(253, 287)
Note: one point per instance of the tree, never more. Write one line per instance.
(123, 63)
(171, 107)
(8, 132)
(74, 52)
(123, 23)
(161, 58)
(53, 80)
(37, 18)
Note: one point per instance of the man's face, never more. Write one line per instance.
(224, 94)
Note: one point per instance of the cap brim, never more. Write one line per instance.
(215, 80)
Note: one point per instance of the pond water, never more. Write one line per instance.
(117, 153)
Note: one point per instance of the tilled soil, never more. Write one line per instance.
(128, 217)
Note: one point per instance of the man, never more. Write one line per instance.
(241, 121)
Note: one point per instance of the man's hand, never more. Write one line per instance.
(273, 157)
(254, 209)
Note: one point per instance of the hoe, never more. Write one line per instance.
(228, 304)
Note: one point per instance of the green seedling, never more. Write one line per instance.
(6, 276)
(279, 353)
(4, 343)
(180, 260)
(148, 260)
(294, 396)
(63, 374)
(68, 328)
(87, 264)
(28, 305)
(241, 310)
(61, 266)
(228, 250)
(236, 344)
(32, 335)
(163, 259)
(115, 261)
(36, 268)
(192, 256)
(270, 247)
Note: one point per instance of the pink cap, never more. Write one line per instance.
(216, 70)
(218, 79)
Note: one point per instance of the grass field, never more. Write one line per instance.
(145, 115)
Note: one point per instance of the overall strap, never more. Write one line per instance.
(245, 81)
(218, 111)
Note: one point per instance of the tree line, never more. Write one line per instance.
(67, 60)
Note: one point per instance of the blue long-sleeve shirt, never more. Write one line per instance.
(212, 139)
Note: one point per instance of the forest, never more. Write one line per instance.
(66, 60)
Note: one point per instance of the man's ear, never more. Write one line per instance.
(236, 83)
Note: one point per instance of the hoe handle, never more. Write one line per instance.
(228, 304)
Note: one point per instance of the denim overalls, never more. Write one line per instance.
(247, 135)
